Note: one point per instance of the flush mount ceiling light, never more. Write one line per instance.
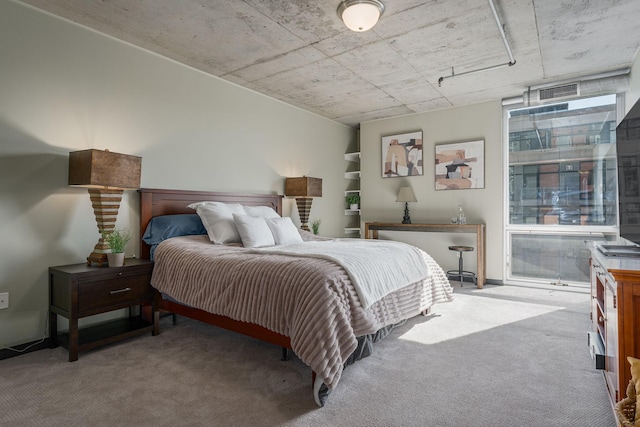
(360, 15)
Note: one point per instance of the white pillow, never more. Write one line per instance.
(217, 218)
(253, 230)
(262, 211)
(284, 231)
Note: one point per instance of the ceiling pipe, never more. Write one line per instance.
(511, 62)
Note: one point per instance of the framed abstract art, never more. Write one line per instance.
(460, 165)
(402, 155)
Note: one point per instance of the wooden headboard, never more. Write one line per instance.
(155, 202)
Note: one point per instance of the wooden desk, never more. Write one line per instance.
(371, 232)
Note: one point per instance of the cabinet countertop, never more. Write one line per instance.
(614, 263)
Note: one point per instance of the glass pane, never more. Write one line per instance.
(562, 181)
(562, 166)
(556, 258)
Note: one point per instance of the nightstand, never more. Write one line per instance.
(79, 290)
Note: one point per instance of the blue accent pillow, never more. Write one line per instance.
(167, 226)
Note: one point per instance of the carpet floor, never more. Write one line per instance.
(498, 356)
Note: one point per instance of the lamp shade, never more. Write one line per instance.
(406, 195)
(303, 186)
(104, 169)
(360, 15)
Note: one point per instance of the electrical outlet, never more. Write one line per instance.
(4, 300)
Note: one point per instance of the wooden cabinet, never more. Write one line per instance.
(78, 290)
(615, 318)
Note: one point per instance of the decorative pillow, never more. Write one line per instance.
(166, 226)
(217, 218)
(262, 211)
(635, 377)
(253, 230)
(284, 231)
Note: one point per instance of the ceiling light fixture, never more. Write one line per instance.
(360, 15)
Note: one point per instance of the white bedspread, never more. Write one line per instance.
(376, 267)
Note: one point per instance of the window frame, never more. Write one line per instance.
(598, 232)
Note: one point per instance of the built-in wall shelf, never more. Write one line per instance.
(352, 157)
(352, 173)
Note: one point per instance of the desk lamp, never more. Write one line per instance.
(406, 195)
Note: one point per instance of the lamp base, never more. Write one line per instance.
(97, 258)
(304, 208)
(406, 219)
(105, 208)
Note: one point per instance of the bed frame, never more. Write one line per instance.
(155, 202)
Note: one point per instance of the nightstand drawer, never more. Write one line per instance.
(111, 294)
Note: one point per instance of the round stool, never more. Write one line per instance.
(460, 271)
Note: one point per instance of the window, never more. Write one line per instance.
(562, 187)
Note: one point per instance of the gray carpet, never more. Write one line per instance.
(500, 356)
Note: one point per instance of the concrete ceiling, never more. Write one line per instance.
(300, 52)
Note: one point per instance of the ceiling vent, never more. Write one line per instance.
(556, 92)
(550, 94)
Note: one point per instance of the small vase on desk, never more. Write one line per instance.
(461, 218)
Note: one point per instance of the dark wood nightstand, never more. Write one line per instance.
(78, 290)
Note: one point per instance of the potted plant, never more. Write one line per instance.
(315, 226)
(117, 241)
(353, 199)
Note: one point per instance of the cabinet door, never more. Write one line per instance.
(611, 337)
(629, 328)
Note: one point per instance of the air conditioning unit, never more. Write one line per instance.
(582, 88)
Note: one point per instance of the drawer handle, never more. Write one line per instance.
(119, 291)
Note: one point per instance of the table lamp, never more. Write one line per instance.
(406, 195)
(304, 189)
(106, 175)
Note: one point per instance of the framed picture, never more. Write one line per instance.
(402, 155)
(460, 165)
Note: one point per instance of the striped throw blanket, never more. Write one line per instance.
(376, 267)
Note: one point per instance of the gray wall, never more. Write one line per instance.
(634, 84)
(64, 88)
(481, 121)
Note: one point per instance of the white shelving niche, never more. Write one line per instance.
(352, 174)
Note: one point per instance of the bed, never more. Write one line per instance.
(309, 303)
